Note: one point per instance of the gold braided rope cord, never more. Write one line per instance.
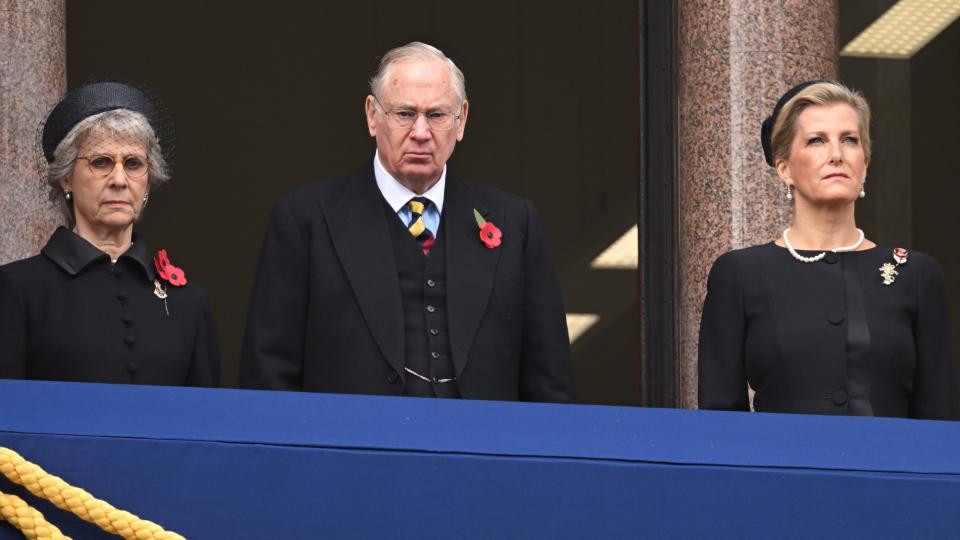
(29, 521)
(76, 500)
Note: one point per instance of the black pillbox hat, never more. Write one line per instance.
(89, 100)
(766, 129)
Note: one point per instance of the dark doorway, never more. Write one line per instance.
(267, 98)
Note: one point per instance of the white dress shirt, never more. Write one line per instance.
(397, 196)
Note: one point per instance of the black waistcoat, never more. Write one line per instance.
(423, 291)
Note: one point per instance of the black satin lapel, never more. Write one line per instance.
(470, 269)
(358, 229)
(859, 370)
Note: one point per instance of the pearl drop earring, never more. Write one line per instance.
(862, 192)
(789, 192)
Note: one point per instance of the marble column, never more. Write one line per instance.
(736, 58)
(32, 79)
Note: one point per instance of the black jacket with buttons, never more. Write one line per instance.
(327, 314)
(827, 337)
(69, 314)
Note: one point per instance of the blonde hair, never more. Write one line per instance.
(821, 93)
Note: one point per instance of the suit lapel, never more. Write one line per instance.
(470, 267)
(358, 229)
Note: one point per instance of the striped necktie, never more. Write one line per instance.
(417, 228)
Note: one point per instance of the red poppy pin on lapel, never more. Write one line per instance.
(490, 235)
(169, 273)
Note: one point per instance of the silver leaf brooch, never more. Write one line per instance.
(889, 270)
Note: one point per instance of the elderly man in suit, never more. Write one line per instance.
(403, 279)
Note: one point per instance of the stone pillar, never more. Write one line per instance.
(735, 60)
(32, 79)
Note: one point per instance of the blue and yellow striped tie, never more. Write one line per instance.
(417, 228)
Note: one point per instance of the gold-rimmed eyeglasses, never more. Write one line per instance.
(102, 165)
(405, 117)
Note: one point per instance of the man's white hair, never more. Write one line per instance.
(416, 51)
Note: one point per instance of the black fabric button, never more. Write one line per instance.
(434, 331)
(132, 367)
(126, 319)
(128, 341)
(839, 397)
(431, 283)
(116, 271)
(434, 355)
(835, 318)
(121, 296)
(832, 258)
(392, 377)
(431, 309)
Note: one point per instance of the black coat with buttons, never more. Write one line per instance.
(70, 314)
(827, 337)
(327, 315)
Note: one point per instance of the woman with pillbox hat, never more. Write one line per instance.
(97, 305)
(822, 320)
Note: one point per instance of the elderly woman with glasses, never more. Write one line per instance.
(96, 305)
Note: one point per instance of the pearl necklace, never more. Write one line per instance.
(852, 247)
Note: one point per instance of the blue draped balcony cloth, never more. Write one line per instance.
(250, 464)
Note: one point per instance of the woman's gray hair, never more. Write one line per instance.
(119, 123)
(417, 51)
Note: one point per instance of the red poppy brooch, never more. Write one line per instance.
(169, 273)
(889, 270)
(490, 235)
